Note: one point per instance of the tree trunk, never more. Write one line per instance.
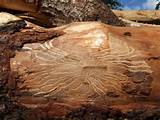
(60, 12)
(64, 11)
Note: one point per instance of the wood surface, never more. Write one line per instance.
(84, 70)
(91, 64)
(139, 15)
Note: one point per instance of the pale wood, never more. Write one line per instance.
(91, 63)
(138, 15)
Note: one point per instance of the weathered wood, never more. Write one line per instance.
(10, 23)
(139, 15)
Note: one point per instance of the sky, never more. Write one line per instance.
(138, 4)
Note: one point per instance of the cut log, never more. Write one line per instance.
(145, 16)
(91, 64)
(87, 71)
(64, 11)
(60, 12)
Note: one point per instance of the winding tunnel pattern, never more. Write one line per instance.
(71, 69)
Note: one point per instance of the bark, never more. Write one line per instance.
(60, 12)
(67, 11)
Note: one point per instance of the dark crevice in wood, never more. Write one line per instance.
(154, 58)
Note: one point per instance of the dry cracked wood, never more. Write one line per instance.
(86, 64)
